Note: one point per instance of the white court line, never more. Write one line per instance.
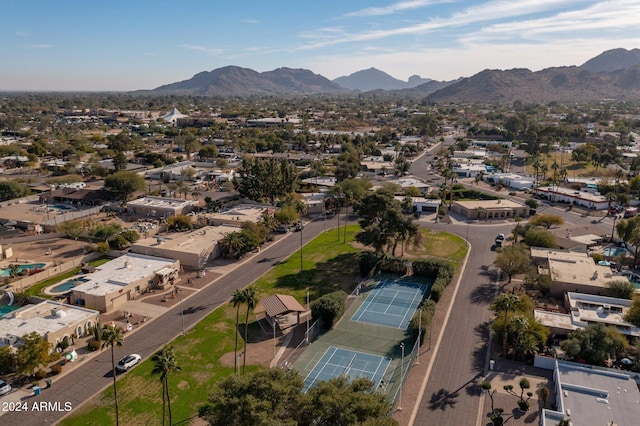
(323, 367)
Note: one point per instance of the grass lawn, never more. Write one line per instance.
(328, 265)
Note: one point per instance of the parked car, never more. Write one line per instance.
(282, 229)
(127, 362)
(5, 387)
(299, 227)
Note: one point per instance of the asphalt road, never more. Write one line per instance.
(452, 393)
(82, 383)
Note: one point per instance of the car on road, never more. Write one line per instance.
(5, 387)
(298, 227)
(128, 362)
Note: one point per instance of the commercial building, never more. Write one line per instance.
(490, 209)
(54, 321)
(589, 200)
(123, 279)
(238, 214)
(193, 249)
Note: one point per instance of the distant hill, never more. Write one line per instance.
(238, 81)
(613, 60)
(562, 84)
(374, 79)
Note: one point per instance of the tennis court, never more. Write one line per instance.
(391, 304)
(336, 362)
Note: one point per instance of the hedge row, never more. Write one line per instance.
(393, 265)
(439, 269)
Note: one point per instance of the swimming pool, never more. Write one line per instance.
(68, 285)
(5, 309)
(6, 272)
(61, 207)
(613, 251)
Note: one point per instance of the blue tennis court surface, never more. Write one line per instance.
(391, 304)
(336, 362)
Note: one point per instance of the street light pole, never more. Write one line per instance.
(182, 314)
(308, 315)
(401, 376)
(613, 228)
(301, 268)
(419, 334)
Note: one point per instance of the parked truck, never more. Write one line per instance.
(630, 212)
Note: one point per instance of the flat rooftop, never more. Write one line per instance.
(490, 204)
(242, 213)
(566, 255)
(189, 242)
(595, 397)
(161, 202)
(120, 272)
(45, 317)
(581, 271)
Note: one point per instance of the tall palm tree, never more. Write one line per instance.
(112, 336)
(165, 362)
(236, 301)
(505, 302)
(251, 299)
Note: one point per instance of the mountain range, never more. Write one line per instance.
(614, 74)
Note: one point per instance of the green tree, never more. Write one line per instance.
(181, 222)
(594, 343)
(124, 184)
(546, 220)
(505, 303)
(621, 289)
(268, 397)
(231, 244)
(535, 237)
(112, 336)
(72, 228)
(251, 300)
(513, 260)
(329, 308)
(340, 401)
(7, 359)
(236, 300)
(164, 362)
(380, 214)
(266, 179)
(104, 232)
(633, 314)
(625, 227)
(33, 353)
(10, 189)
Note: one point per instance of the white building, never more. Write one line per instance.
(587, 309)
(123, 279)
(160, 206)
(510, 180)
(54, 321)
(571, 196)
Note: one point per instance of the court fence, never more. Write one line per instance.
(309, 336)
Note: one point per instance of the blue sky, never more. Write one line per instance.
(142, 44)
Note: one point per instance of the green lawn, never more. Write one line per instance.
(329, 264)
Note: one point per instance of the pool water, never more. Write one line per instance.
(61, 207)
(6, 272)
(5, 309)
(68, 285)
(613, 251)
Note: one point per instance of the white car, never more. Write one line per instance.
(5, 387)
(127, 362)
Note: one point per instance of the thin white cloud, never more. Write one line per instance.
(393, 8)
(37, 46)
(613, 16)
(151, 54)
(212, 51)
(250, 21)
(22, 34)
(491, 11)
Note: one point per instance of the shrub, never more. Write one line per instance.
(93, 345)
(41, 374)
(393, 265)
(56, 369)
(329, 308)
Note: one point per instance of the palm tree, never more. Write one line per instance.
(505, 302)
(251, 299)
(165, 362)
(112, 336)
(231, 244)
(236, 301)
